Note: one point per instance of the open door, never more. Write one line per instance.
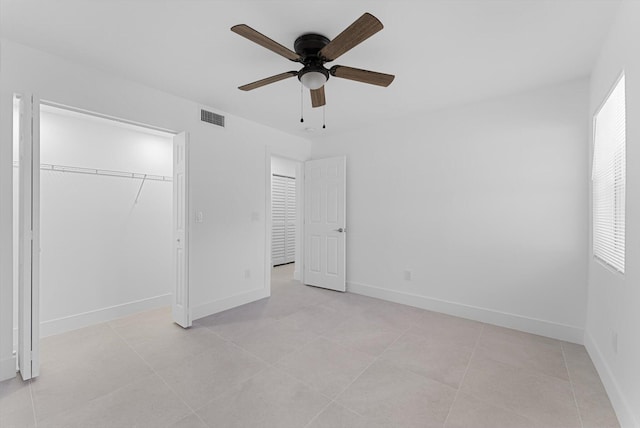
(29, 235)
(180, 307)
(325, 223)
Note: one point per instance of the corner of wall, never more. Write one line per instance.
(618, 400)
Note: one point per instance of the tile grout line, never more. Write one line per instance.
(377, 358)
(331, 401)
(156, 374)
(268, 365)
(455, 398)
(70, 410)
(33, 405)
(358, 377)
(313, 419)
(573, 391)
(532, 372)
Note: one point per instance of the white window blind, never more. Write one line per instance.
(609, 177)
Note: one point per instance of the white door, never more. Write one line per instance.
(180, 307)
(29, 235)
(325, 223)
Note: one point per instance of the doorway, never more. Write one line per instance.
(105, 219)
(286, 230)
(107, 209)
(320, 245)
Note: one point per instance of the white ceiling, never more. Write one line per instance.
(442, 52)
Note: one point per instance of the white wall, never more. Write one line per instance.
(614, 299)
(228, 177)
(283, 166)
(485, 204)
(102, 254)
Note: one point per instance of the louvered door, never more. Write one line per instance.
(283, 217)
(290, 222)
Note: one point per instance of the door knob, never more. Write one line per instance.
(341, 230)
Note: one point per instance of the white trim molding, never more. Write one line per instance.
(550, 329)
(215, 306)
(618, 400)
(85, 319)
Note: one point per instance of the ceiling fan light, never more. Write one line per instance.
(313, 80)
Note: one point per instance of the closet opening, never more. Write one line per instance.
(285, 223)
(105, 219)
(100, 223)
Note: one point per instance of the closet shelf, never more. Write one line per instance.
(105, 172)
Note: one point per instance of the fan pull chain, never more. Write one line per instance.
(324, 121)
(301, 105)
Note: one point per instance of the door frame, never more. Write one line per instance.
(29, 237)
(28, 330)
(299, 271)
(180, 308)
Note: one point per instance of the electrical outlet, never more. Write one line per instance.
(407, 275)
(199, 217)
(247, 273)
(614, 341)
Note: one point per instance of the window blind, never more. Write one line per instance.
(609, 178)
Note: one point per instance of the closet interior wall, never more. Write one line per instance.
(106, 211)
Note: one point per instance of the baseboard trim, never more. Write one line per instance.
(618, 400)
(504, 319)
(73, 322)
(215, 306)
(7, 368)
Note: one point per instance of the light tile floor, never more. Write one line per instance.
(308, 357)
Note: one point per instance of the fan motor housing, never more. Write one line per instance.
(308, 45)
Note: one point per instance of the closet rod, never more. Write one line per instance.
(105, 172)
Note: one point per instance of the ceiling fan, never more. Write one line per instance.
(313, 51)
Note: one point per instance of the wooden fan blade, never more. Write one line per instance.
(259, 38)
(266, 81)
(364, 76)
(317, 97)
(363, 28)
